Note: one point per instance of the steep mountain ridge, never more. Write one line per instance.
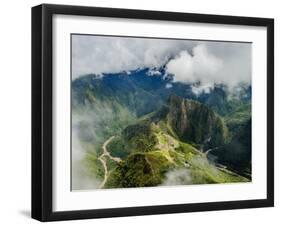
(195, 122)
(143, 93)
(155, 147)
(159, 126)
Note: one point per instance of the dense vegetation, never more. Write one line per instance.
(237, 154)
(162, 136)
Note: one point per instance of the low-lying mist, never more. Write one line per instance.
(81, 176)
(178, 177)
(93, 124)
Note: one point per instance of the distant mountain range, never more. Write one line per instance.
(160, 128)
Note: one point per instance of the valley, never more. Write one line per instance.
(137, 133)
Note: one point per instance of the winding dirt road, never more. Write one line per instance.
(103, 160)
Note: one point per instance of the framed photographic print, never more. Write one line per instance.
(145, 112)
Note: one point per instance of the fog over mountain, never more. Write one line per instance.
(202, 63)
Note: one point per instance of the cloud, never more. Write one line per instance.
(153, 72)
(202, 63)
(82, 178)
(204, 67)
(178, 177)
(105, 54)
(195, 68)
(198, 88)
(168, 86)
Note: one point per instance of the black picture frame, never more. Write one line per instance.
(42, 111)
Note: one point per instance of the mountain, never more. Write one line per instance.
(159, 144)
(237, 154)
(142, 93)
(123, 89)
(195, 122)
(160, 128)
(185, 120)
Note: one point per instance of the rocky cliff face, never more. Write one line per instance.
(194, 122)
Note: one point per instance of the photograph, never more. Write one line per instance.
(144, 112)
(154, 111)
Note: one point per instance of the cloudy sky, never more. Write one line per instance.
(189, 61)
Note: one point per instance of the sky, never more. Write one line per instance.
(202, 63)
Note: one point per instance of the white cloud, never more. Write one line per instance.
(168, 86)
(105, 54)
(178, 177)
(203, 63)
(81, 178)
(204, 69)
(197, 89)
(153, 72)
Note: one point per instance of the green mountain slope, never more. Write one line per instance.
(237, 154)
(160, 133)
(154, 147)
